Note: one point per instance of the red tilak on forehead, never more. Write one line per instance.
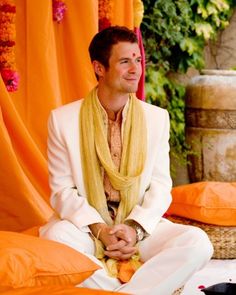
(134, 54)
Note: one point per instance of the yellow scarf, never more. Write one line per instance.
(95, 153)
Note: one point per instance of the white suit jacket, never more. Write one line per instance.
(68, 197)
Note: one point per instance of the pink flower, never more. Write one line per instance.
(8, 43)
(8, 8)
(104, 23)
(59, 9)
(11, 79)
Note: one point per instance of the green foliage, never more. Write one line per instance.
(164, 92)
(175, 31)
(174, 34)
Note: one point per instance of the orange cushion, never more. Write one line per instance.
(56, 290)
(31, 261)
(32, 231)
(209, 202)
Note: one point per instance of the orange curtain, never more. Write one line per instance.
(54, 67)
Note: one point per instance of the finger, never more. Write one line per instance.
(116, 246)
(123, 236)
(116, 228)
(128, 250)
(126, 256)
(113, 254)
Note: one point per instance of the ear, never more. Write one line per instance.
(98, 68)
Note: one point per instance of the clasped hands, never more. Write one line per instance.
(119, 240)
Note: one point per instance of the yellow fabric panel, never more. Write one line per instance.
(138, 12)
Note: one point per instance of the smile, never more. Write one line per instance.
(132, 80)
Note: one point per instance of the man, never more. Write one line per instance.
(109, 176)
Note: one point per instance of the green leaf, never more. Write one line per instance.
(204, 29)
(174, 34)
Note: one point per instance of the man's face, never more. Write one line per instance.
(125, 68)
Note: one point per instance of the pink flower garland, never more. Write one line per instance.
(7, 43)
(58, 9)
(104, 14)
(11, 79)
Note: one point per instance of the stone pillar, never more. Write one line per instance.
(211, 126)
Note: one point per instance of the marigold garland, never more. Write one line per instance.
(105, 8)
(58, 10)
(7, 44)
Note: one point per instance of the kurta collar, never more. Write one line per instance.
(122, 111)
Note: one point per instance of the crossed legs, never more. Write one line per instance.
(170, 255)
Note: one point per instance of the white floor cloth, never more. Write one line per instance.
(216, 271)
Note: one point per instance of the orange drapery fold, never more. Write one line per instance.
(54, 67)
(21, 204)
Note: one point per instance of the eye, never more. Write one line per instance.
(124, 61)
(139, 60)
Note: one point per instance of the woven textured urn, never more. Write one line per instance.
(211, 125)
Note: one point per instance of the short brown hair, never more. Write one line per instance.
(101, 44)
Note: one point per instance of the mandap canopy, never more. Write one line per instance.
(51, 58)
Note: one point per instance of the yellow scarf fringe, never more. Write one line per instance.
(95, 153)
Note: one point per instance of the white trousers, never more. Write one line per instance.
(171, 255)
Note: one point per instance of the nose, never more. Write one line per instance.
(134, 66)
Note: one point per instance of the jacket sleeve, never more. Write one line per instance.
(65, 199)
(157, 196)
